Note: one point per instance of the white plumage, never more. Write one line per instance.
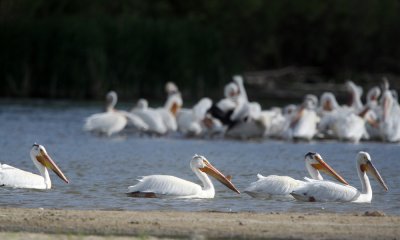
(170, 186)
(324, 191)
(273, 185)
(167, 186)
(113, 121)
(17, 178)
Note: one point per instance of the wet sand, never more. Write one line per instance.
(18, 223)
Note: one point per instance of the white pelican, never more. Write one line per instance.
(355, 96)
(247, 119)
(304, 124)
(323, 191)
(171, 107)
(389, 125)
(170, 186)
(275, 122)
(223, 109)
(17, 178)
(340, 122)
(273, 185)
(112, 121)
(371, 112)
(190, 120)
(150, 116)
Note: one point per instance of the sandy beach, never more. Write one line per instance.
(18, 223)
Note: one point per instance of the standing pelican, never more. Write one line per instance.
(112, 121)
(323, 191)
(170, 186)
(283, 185)
(17, 178)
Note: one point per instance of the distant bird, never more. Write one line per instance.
(170, 186)
(274, 185)
(171, 107)
(323, 191)
(340, 122)
(17, 178)
(190, 121)
(304, 123)
(389, 124)
(355, 96)
(151, 117)
(112, 121)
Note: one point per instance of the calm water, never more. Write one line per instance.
(100, 169)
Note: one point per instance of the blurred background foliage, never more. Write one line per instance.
(80, 48)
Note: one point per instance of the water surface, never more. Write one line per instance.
(100, 169)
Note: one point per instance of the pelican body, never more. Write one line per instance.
(273, 185)
(17, 178)
(323, 191)
(170, 186)
(113, 121)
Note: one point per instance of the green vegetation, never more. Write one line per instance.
(82, 48)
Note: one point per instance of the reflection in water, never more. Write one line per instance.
(100, 169)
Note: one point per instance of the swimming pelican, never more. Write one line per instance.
(170, 186)
(112, 121)
(273, 185)
(17, 178)
(323, 191)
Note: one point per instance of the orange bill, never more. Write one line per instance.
(45, 159)
(324, 167)
(212, 171)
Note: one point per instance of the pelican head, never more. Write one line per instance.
(111, 100)
(353, 88)
(201, 163)
(328, 101)
(365, 165)
(171, 88)
(312, 100)
(142, 104)
(314, 163)
(373, 94)
(38, 153)
(231, 90)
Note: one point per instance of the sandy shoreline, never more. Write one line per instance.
(197, 225)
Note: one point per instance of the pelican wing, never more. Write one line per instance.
(168, 119)
(135, 121)
(153, 120)
(306, 127)
(272, 185)
(165, 185)
(325, 191)
(17, 178)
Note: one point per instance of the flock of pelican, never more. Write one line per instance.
(311, 190)
(234, 116)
